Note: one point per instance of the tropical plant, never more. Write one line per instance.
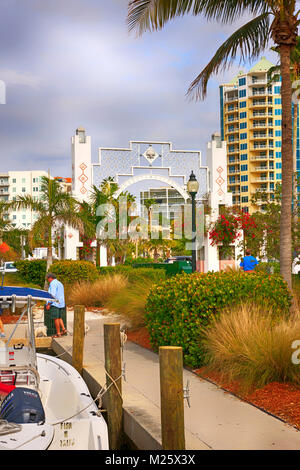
(275, 20)
(247, 344)
(53, 208)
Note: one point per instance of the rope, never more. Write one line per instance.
(123, 339)
(8, 428)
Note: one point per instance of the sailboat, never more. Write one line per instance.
(44, 402)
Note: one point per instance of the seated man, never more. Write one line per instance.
(56, 308)
(248, 263)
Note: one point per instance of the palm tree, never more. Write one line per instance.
(54, 207)
(275, 20)
(88, 212)
(274, 74)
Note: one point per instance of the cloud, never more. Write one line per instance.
(72, 62)
(14, 77)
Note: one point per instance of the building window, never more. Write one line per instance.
(278, 176)
(278, 122)
(277, 100)
(244, 156)
(278, 143)
(277, 90)
(244, 198)
(243, 146)
(278, 165)
(23, 190)
(278, 154)
(242, 81)
(243, 136)
(244, 178)
(243, 115)
(243, 104)
(278, 112)
(242, 93)
(244, 167)
(243, 125)
(244, 189)
(277, 133)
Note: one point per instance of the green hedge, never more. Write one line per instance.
(69, 271)
(180, 307)
(32, 271)
(134, 274)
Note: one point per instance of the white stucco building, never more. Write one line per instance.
(146, 165)
(24, 183)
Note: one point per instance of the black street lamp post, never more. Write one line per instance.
(192, 187)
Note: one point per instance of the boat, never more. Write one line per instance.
(44, 402)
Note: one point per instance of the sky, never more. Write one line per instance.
(71, 63)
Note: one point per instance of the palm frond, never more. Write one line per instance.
(248, 42)
(27, 202)
(151, 15)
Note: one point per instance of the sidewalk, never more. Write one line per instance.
(216, 419)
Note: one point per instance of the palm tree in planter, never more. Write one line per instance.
(53, 208)
(275, 20)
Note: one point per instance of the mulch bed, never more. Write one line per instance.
(9, 319)
(279, 399)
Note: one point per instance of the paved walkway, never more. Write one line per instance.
(215, 420)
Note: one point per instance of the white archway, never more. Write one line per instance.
(137, 179)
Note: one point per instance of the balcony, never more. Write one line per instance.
(230, 99)
(233, 110)
(257, 103)
(262, 147)
(263, 179)
(258, 81)
(262, 157)
(233, 131)
(260, 168)
(261, 190)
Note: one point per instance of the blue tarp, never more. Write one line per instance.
(8, 291)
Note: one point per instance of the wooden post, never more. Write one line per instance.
(171, 393)
(112, 349)
(78, 337)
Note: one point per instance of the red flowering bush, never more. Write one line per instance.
(226, 229)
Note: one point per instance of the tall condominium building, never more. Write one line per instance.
(22, 183)
(251, 116)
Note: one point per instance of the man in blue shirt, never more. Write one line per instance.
(56, 308)
(248, 263)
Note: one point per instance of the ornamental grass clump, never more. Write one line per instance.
(180, 308)
(130, 303)
(246, 343)
(96, 294)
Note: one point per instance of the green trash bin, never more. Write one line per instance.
(49, 323)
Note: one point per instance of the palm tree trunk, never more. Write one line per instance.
(49, 255)
(295, 129)
(287, 167)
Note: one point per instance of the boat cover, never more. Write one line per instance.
(24, 292)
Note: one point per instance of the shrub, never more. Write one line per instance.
(246, 344)
(135, 274)
(32, 271)
(69, 272)
(97, 293)
(179, 308)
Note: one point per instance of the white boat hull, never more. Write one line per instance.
(72, 421)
